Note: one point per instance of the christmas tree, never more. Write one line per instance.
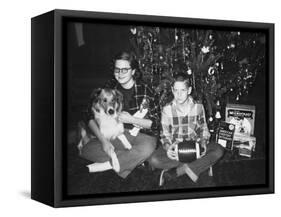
(221, 65)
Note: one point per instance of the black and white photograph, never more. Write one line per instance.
(164, 107)
(140, 108)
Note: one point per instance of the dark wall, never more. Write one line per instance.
(90, 65)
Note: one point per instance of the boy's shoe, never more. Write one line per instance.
(167, 175)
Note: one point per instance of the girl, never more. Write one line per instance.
(98, 150)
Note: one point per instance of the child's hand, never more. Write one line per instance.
(172, 152)
(126, 117)
(166, 146)
(204, 146)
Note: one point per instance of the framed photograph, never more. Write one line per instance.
(133, 108)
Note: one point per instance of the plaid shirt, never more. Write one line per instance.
(177, 126)
(141, 91)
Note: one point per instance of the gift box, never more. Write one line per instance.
(245, 139)
(245, 151)
(242, 116)
(225, 135)
(246, 147)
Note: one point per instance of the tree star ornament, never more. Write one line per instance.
(205, 49)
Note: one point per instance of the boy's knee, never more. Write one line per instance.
(219, 151)
(148, 149)
(148, 145)
(154, 161)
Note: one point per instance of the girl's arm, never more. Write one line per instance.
(151, 121)
(125, 117)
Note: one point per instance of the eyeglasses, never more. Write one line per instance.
(122, 71)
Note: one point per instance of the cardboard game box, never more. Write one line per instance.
(242, 116)
(225, 135)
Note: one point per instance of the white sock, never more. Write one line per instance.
(115, 162)
(99, 167)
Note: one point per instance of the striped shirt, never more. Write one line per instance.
(178, 125)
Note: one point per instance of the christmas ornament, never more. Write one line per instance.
(218, 115)
(211, 71)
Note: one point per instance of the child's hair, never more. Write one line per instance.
(178, 77)
(182, 78)
(130, 57)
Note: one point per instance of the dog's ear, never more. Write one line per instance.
(95, 108)
(95, 98)
(95, 95)
(119, 99)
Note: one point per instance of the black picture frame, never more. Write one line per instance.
(49, 99)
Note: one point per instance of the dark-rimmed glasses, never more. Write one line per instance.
(122, 71)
